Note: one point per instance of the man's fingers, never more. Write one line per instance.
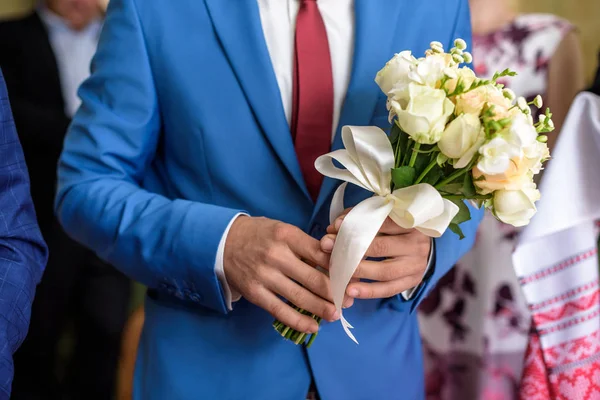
(335, 226)
(302, 297)
(284, 312)
(309, 277)
(307, 248)
(390, 246)
(389, 270)
(389, 227)
(387, 246)
(381, 290)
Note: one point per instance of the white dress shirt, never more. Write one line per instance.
(73, 51)
(278, 18)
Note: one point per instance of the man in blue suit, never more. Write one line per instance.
(189, 167)
(23, 253)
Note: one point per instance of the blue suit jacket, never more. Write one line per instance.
(182, 127)
(23, 253)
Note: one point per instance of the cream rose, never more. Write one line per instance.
(465, 75)
(395, 71)
(496, 156)
(535, 154)
(430, 70)
(516, 207)
(474, 100)
(425, 115)
(515, 177)
(521, 132)
(462, 139)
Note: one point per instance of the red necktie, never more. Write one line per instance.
(312, 101)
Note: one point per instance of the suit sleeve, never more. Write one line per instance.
(167, 244)
(449, 248)
(23, 253)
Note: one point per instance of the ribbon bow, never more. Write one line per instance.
(368, 159)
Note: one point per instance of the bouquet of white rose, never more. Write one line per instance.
(454, 137)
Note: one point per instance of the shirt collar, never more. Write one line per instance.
(56, 23)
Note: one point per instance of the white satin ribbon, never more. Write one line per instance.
(368, 159)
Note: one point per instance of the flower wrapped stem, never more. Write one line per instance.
(294, 335)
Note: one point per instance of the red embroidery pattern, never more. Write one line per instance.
(557, 268)
(564, 296)
(573, 351)
(570, 323)
(581, 381)
(567, 310)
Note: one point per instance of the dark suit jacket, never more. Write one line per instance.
(23, 253)
(33, 81)
(596, 85)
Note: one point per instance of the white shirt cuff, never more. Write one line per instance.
(231, 295)
(407, 294)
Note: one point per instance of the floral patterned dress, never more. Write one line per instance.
(475, 324)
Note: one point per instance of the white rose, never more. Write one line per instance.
(496, 156)
(515, 207)
(396, 70)
(521, 132)
(535, 154)
(462, 139)
(424, 117)
(430, 70)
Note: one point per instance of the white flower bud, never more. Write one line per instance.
(437, 49)
(460, 44)
(551, 124)
(457, 51)
(538, 101)
(542, 138)
(468, 57)
(458, 59)
(522, 104)
(450, 73)
(542, 118)
(509, 94)
(436, 44)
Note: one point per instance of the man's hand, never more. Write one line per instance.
(264, 258)
(406, 252)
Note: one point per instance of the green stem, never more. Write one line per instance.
(424, 173)
(452, 177)
(415, 153)
(314, 335)
(406, 151)
(397, 154)
(301, 337)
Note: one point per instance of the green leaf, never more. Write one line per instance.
(468, 188)
(403, 177)
(464, 214)
(454, 188)
(456, 229)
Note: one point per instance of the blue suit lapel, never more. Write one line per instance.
(238, 26)
(376, 26)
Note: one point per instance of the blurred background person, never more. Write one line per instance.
(475, 324)
(45, 57)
